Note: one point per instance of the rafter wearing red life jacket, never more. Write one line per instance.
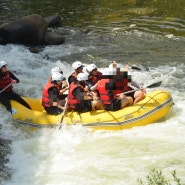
(106, 90)
(45, 94)
(122, 81)
(72, 100)
(95, 78)
(4, 81)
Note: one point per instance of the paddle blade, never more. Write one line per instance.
(156, 84)
(136, 68)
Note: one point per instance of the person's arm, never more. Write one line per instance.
(64, 83)
(65, 87)
(135, 84)
(94, 87)
(53, 96)
(138, 86)
(80, 95)
(13, 77)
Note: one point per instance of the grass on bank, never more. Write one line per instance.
(156, 177)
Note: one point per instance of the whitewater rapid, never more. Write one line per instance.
(75, 155)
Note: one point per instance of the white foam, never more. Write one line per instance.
(74, 156)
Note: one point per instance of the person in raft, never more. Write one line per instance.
(124, 83)
(78, 68)
(64, 85)
(7, 78)
(81, 100)
(93, 76)
(110, 95)
(51, 95)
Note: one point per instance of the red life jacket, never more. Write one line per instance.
(106, 96)
(72, 100)
(126, 86)
(122, 86)
(45, 94)
(4, 81)
(95, 79)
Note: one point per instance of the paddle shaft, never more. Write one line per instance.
(132, 90)
(63, 114)
(156, 84)
(5, 87)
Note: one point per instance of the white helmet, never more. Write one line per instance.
(82, 77)
(91, 67)
(77, 64)
(109, 72)
(56, 70)
(2, 63)
(57, 77)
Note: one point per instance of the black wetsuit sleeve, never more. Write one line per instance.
(78, 93)
(53, 94)
(12, 76)
(89, 83)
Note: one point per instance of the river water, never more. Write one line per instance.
(147, 34)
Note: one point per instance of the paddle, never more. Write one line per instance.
(6, 87)
(63, 114)
(156, 84)
(134, 67)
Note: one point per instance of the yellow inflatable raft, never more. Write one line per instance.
(155, 106)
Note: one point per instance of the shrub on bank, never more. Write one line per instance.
(156, 177)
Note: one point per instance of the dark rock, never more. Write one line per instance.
(28, 30)
(32, 31)
(53, 21)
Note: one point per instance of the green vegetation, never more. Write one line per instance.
(156, 177)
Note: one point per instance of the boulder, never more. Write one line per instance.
(27, 30)
(31, 31)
